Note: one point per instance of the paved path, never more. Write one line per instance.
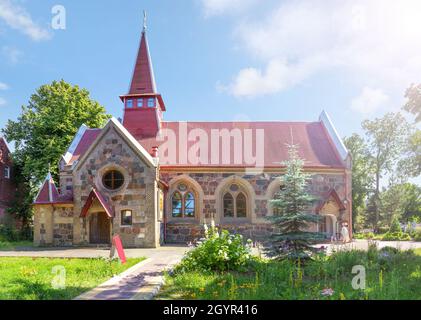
(90, 252)
(363, 245)
(142, 281)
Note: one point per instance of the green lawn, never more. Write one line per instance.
(8, 246)
(389, 276)
(31, 278)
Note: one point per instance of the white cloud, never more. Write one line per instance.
(18, 18)
(3, 86)
(374, 43)
(12, 54)
(219, 7)
(278, 75)
(369, 101)
(2, 101)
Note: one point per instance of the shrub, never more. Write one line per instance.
(9, 234)
(389, 250)
(367, 235)
(382, 229)
(395, 226)
(417, 234)
(396, 236)
(217, 252)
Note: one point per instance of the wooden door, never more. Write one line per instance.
(99, 228)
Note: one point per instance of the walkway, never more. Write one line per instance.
(363, 245)
(142, 281)
(90, 252)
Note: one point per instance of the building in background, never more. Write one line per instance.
(7, 185)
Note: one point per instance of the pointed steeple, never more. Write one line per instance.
(143, 105)
(143, 79)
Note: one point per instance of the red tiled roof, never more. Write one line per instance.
(326, 197)
(95, 194)
(315, 144)
(85, 142)
(48, 193)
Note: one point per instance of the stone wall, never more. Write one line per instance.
(261, 189)
(137, 194)
(186, 233)
(53, 225)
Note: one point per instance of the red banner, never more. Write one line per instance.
(119, 247)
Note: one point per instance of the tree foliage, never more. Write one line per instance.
(410, 164)
(45, 129)
(401, 201)
(386, 139)
(362, 177)
(413, 103)
(293, 241)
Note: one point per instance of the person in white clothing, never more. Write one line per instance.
(345, 233)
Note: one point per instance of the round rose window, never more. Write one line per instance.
(113, 179)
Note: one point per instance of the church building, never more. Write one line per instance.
(153, 181)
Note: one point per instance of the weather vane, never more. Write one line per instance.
(144, 21)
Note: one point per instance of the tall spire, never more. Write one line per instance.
(143, 105)
(143, 80)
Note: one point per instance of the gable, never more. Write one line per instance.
(115, 134)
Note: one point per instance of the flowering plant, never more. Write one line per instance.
(218, 251)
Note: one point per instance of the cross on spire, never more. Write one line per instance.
(144, 21)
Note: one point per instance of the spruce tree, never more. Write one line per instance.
(292, 204)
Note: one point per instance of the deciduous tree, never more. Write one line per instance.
(386, 138)
(45, 129)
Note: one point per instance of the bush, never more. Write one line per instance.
(389, 250)
(218, 252)
(367, 235)
(9, 234)
(395, 226)
(396, 236)
(417, 234)
(383, 229)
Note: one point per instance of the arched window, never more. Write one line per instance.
(228, 205)
(235, 202)
(183, 202)
(189, 205)
(177, 205)
(241, 205)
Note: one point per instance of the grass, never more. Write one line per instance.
(31, 278)
(389, 276)
(8, 245)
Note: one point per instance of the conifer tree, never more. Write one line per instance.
(293, 217)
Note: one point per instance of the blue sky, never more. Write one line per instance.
(220, 59)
